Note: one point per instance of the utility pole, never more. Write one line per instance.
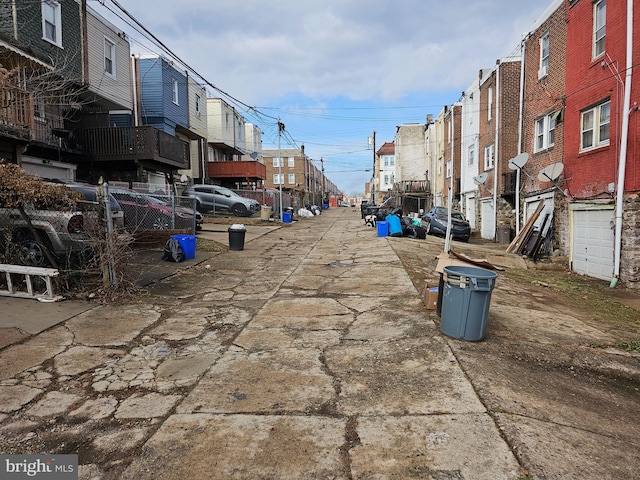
(322, 168)
(280, 129)
(373, 175)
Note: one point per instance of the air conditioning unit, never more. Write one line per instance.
(543, 72)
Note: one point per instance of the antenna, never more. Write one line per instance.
(519, 161)
(551, 173)
(480, 179)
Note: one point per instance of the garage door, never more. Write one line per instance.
(592, 252)
(488, 230)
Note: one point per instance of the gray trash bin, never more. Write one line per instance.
(465, 302)
(236, 236)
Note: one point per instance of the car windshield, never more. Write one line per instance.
(442, 212)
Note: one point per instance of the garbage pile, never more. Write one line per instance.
(398, 225)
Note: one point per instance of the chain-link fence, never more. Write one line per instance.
(269, 197)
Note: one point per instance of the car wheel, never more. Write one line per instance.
(161, 223)
(32, 254)
(239, 210)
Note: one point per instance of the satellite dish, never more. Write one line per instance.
(551, 173)
(518, 161)
(480, 179)
(183, 178)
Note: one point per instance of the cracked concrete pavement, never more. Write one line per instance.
(307, 355)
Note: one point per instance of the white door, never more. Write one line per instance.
(471, 211)
(592, 249)
(488, 230)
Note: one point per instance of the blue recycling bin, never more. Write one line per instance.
(383, 229)
(395, 227)
(465, 302)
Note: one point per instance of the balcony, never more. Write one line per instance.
(240, 170)
(16, 113)
(135, 144)
(413, 187)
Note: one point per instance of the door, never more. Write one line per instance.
(470, 211)
(592, 246)
(488, 230)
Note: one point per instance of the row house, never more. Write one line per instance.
(230, 162)
(452, 149)
(412, 171)
(385, 171)
(292, 171)
(556, 132)
(80, 106)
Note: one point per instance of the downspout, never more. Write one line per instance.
(523, 49)
(623, 145)
(134, 85)
(203, 159)
(495, 153)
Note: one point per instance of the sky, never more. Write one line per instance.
(332, 71)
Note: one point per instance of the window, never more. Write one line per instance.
(545, 132)
(599, 27)
(292, 179)
(52, 22)
(198, 112)
(175, 91)
(472, 155)
(449, 168)
(278, 178)
(490, 103)
(544, 56)
(449, 131)
(109, 58)
(386, 180)
(278, 162)
(488, 157)
(291, 161)
(389, 161)
(594, 124)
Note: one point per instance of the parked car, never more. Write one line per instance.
(63, 232)
(217, 198)
(143, 211)
(435, 223)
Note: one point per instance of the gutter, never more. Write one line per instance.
(623, 146)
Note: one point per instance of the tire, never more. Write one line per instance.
(32, 254)
(161, 223)
(239, 210)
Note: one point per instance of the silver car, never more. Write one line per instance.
(216, 198)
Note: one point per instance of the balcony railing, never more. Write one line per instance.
(16, 112)
(135, 143)
(413, 186)
(240, 169)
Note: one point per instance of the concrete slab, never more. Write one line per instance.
(243, 446)
(435, 447)
(34, 317)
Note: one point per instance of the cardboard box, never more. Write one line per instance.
(430, 295)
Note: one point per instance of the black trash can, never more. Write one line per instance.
(465, 302)
(236, 236)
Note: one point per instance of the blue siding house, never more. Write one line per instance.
(164, 101)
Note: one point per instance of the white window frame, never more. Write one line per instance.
(278, 178)
(599, 28)
(449, 168)
(471, 155)
(595, 122)
(292, 179)
(198, 102)
(488, 157)
(543, 71)
(57, 22)
(544, 135)
(291, 162)
(109, 56)
(176, 92)
(278, 162)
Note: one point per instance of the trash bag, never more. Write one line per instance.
(413, 231)
(173, 251)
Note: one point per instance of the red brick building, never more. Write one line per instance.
(595, 139)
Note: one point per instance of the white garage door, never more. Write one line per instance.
(593, 243)
(488, 230)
